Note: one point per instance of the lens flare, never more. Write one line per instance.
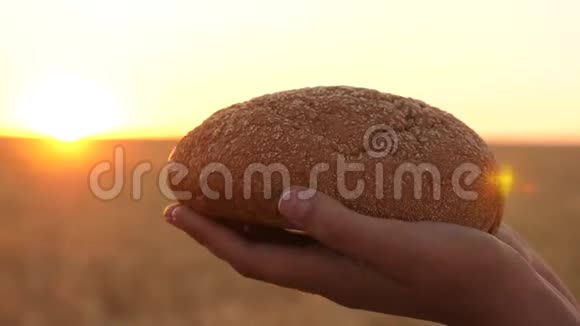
(504, 180)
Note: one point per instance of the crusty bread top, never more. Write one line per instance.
(318, 112)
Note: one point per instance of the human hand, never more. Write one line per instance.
(434, 271)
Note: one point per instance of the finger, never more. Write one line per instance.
(311, 269)
(399, 246)
(259, 233)
(508, 235)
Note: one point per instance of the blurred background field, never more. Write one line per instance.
(68, 258)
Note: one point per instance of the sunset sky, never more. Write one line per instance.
(157, 68)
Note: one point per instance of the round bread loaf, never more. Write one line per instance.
(379, 154)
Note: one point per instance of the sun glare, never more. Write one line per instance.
(68, 108)
(505, 180)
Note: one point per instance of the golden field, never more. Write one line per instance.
(68, 258)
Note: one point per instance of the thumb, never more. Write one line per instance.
(351, 233)
(410, 252)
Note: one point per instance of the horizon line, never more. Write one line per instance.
(490, 140)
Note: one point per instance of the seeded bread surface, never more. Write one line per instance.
(301, 128)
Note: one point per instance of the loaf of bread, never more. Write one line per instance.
(379, 154)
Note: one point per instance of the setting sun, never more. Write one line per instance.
(68, 108)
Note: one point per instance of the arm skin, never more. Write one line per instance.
(433, 271)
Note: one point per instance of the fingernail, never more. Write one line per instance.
(168, 212)
(177, 214)
(294, 204)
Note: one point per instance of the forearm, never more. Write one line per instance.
(524, 300)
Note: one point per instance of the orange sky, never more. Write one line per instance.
(509, 69)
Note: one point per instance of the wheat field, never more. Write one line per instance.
(69, 258)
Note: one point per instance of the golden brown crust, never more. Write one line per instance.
(300, 128)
